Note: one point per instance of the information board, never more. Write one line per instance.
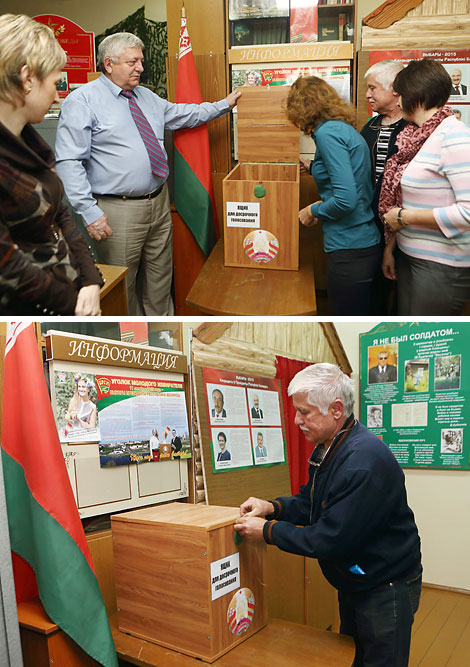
(78, 44)
(244, 414)
(414, 391)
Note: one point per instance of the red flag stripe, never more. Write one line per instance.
(30, 435)
(193, 144)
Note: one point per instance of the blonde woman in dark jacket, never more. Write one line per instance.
(45, 264)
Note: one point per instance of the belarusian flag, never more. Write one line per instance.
(194, 195)
(46, 534)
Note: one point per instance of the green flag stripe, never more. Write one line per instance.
(193, 203)
(68, 588)
(106, 401)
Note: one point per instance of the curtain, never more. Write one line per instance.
(298, 449)
(154, 36)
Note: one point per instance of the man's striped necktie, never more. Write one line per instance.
(157, 157)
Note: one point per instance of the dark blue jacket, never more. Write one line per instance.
(356, 518)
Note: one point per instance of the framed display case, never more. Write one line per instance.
(258, 22)
(253, 22)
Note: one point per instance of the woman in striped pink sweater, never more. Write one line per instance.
(425, 198)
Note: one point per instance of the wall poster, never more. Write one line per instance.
(134, 419)
(415, 389)
(244, 417)
(78, 44)
(141, 420)
(335, 72)
(455, 61)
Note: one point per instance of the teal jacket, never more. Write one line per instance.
(341, 170)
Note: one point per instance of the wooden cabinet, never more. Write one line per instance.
(336, 21)
(283, 22)
(184, 583)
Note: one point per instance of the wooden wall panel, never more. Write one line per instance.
(321, 599)
(440, 8)
(285, 601)
(217, 180)
(233, 355)
(420, 32)
(206, 25)
(309, 195)
(212, 81)
(101, 549)
(261, 341)
(362, 111)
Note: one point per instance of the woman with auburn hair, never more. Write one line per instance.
(425, 197)
(341, 170)
(45, 263)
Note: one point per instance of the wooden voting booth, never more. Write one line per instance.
(261, 194)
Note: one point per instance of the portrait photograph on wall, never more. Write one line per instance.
(76, 406)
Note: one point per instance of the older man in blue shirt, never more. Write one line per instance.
(105, 148)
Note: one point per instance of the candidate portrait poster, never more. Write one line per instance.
(244, 417)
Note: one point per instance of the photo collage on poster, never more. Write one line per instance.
(455, 61)
(414, 390)
(134, 420)
(336, 73)
(245, 421)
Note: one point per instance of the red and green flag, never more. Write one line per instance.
(50, 552)
(194, 195)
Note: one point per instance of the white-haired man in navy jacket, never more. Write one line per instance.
(352, 515)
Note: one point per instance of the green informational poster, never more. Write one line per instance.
(415, 391)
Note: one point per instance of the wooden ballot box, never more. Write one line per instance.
(183, 582)
(261, 194)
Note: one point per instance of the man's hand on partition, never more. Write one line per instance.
(232, 98)
(100, 229)
(250, 527)
(256, 507)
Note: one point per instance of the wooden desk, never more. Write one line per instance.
(43, 644)
(279, 644)
(226, 290)
(113, 293)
